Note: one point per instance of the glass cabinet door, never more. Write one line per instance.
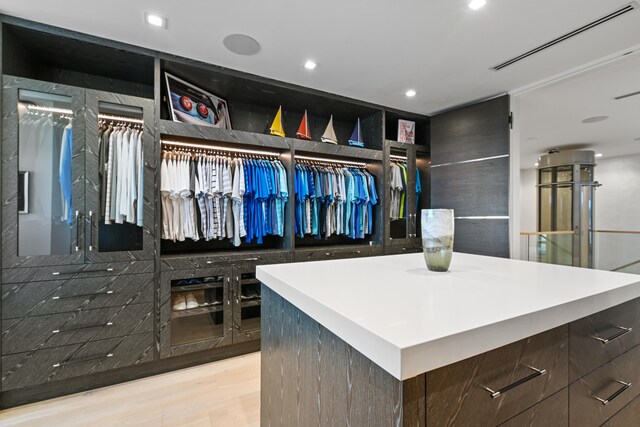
(247, 305)
(120, 150)
(399, 174)
(44, 186)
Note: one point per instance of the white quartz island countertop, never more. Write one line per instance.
(409, 320)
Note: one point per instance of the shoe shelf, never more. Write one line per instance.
(198, 311)
(251, 302)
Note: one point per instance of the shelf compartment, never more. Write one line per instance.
(200, 310)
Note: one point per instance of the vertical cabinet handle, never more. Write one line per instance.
(90, 231)
(232, 291)
(621, 390)
(77, 231)
(238, 291)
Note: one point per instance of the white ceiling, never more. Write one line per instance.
(366, 49)
(551, 116)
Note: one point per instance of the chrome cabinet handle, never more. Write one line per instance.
(83, 295)
(101, 270)
(537, 373)
(79, 328)
(67, 362)
(77, 231)
(90, 231)
(609, 399)
(623, 331)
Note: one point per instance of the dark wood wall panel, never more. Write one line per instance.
(482, 237)
(476, 131)
(473, 189)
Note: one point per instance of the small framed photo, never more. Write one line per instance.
(190, 104)
(406, 131)
(23, 192)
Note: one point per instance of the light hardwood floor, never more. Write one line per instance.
(224, 393)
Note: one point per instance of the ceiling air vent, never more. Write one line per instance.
(625, 9)
(628, 95)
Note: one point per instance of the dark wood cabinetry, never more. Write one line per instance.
(107, 290)
(491, 388)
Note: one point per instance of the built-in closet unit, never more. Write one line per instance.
(89, 300)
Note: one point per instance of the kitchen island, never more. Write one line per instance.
(383, 341)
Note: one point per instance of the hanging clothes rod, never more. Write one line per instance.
(324, 160)
(120, 118)
(49, 109)
(396, 157)
(226, 149)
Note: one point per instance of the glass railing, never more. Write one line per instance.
(612, 250)
(551, 247)
(617, 250)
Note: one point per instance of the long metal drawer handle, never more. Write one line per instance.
(83, 295)
(100, 270)
(79, 328)
(89, 359)
(90, 231)
(609, 399)
(623, 331)
(537, 373)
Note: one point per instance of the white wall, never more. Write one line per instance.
(617, 207)
(528, 206)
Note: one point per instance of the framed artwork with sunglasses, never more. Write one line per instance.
(190, 104)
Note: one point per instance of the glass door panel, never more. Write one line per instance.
(197, 309)
(121, 178)
(398, 182)
(47, 216)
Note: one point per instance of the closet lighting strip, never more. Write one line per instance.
(120, 119)
(212, 147)
(394, 157)
(49, 109)
(319, 159)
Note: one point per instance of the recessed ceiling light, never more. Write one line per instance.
(536, 164)
(155, 20)
(310, 65)
(241, 44)
(477, 4)
(599, 155)
(595, 119)
(410, 93)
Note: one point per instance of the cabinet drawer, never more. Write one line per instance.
(456, 393)
(611, 327)
(551, 412)
(65, 272)
(605, 383)
(44, 366)
(38, 332)
(60, 296)
(224, 260)
(321, 254)
(627, 417)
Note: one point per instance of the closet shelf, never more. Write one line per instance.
(203, 309)
(251, 303)
(301, 146)
(213, 134)
(197, 287)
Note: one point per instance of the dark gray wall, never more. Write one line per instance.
(470, 174)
